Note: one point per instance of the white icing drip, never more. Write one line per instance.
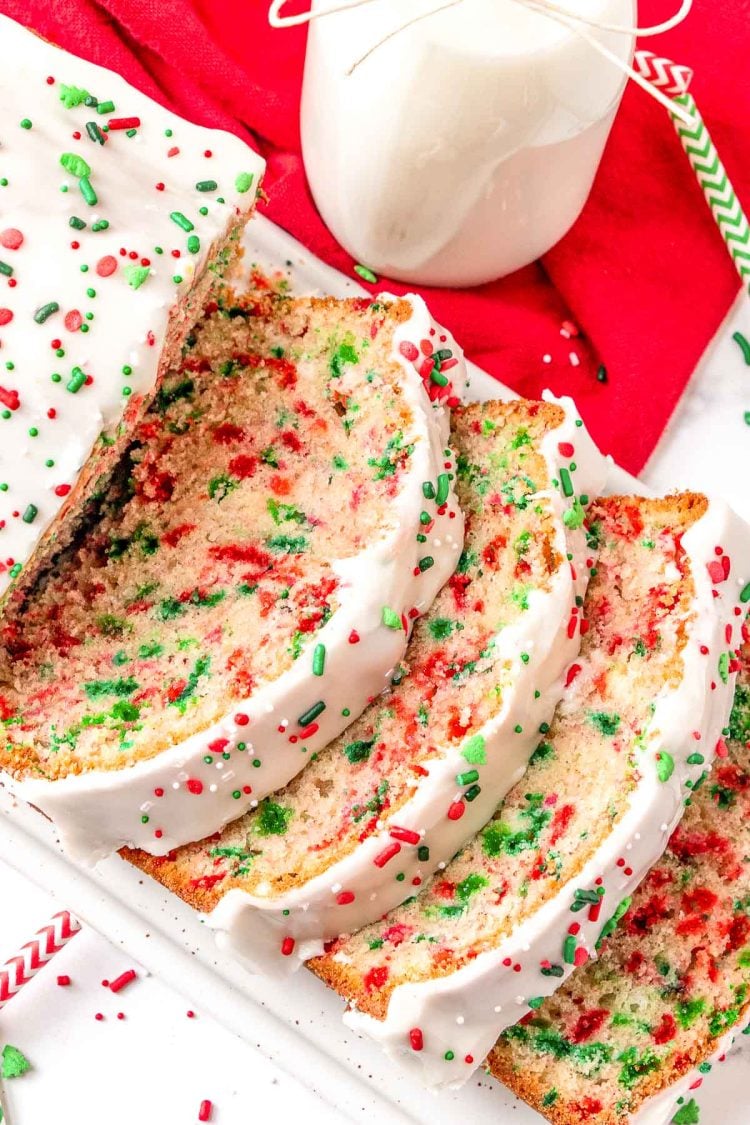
(491, 995)
(253, 927)
(129, 325)
(100, 811)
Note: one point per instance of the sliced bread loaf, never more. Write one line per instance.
(398, 793)
(116, 218)
(646, 703)
(631, 1034)
(247, 581)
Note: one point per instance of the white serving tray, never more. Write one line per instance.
(297, 1025)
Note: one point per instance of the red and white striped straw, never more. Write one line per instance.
(35, 954)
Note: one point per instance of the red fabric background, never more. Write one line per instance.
(644, 272)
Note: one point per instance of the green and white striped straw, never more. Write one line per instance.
(717, 187)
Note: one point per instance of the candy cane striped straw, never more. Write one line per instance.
(704, 158)
(35, 954)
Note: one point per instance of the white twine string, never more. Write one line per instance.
(574, 22)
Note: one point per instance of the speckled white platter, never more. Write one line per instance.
(298, 1026)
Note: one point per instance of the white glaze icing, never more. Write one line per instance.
(659, 1109)
(253, 927)
(100, 811)
(467, 1010)
(129, 325)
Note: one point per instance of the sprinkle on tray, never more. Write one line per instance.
(14, 1062)
(366, 274)
(743, 344)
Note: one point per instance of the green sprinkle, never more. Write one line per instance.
(474, 751)
(391, 619)
(46, 311)
(443, 488)
(102, 224)
(566, 482)
(724, 667)
(467, 778)
(449, 1056)
(181, 220)
(76, 381)
(423, 853)
(30, 514)
(71, 96)
(366, 274)
(695, 759)
(243, 182)
(311, 714)
(136, 275)
(428, 490)
(193, 244)
(14, 1064)
(87, 191)
(105, 107)
(5, 269)
(206, 185)
(744, 345)
(745, 594)
(664, 765)
(25, 123)
(75, 164)
(95, 132)
(569, 950)
(601, 375)
(472, 793)
(426, 562)
(689, 1114)
(319, 660)
(76, 223)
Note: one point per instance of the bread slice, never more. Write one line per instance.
(117, 217)
(439, 978)
(636, 1030)
(247, 581)
(399, 792)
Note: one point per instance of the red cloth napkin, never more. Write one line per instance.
(644, 272)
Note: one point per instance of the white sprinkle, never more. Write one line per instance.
(574, 360)
(460, 1021)
(175, 785)
(546, 359)
(335, 888)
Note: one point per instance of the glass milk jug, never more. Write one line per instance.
(463, 146)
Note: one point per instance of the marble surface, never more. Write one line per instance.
(155, 1066)
(707, 444)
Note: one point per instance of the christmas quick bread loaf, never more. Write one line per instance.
(399, 792)
(247, 581)
(505, 923)
(630, 1035)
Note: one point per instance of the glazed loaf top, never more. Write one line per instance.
(114, 212)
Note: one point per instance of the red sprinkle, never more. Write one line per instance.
(387, 854)
(345, 897)
(241, 719)
(407, 835)
(63, 980)
(124, 122)
(194, 785)
(416, 1039)
(287, 947)
(106, 266)
(11, 238)
(456, 810)
(204, 1113)
(122, 981)
(565, 448)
